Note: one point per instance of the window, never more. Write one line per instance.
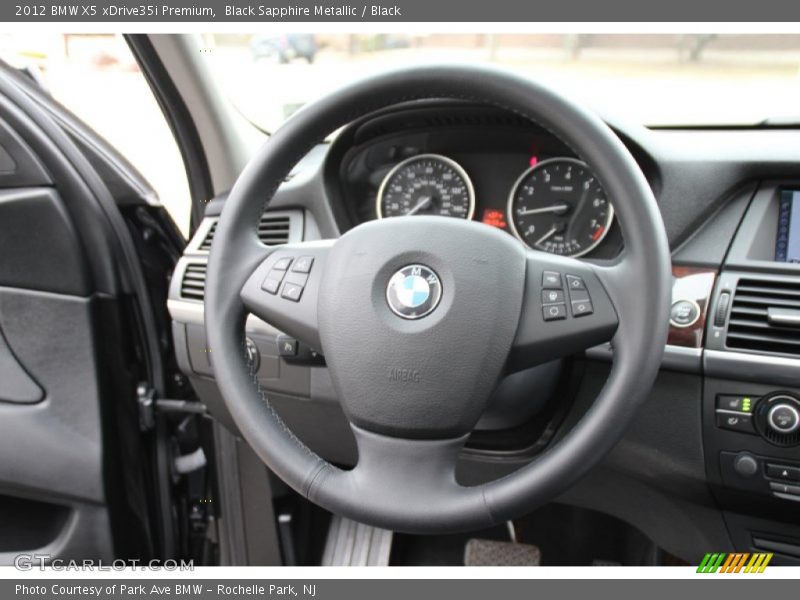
(663, 79)
(97, 78)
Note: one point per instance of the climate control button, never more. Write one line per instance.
(777, 418)
(783, 418)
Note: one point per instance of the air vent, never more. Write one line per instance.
(206, 244)
(765, 316)
(274, 229)
(194, 282)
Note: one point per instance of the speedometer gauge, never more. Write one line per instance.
(427, 184)
(560, 207)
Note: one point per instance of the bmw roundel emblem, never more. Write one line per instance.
(414, 291)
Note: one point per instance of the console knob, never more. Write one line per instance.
(745, 465)
(783, 418)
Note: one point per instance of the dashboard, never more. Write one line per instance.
(482, 165)
(716, 446)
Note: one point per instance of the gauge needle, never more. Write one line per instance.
(426, 200)
(544, 238)
(580, 207)
(545, 209)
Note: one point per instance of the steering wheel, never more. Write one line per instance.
(418, 317)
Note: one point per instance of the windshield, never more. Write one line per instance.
(688, 79)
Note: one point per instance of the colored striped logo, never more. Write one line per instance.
(738, 562)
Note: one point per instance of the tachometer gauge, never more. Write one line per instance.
(560, 207)
(427, 184)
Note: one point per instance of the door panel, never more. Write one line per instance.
(53, 460)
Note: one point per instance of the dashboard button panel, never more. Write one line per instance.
(551, 280)
(552, 296)
(783, 472)
(735, 421)
(292, 291)
(303, 264)
(784, 488)
(684, 313)
(555, 299)
(783, 418)
(554, 312)
(293, 282)
(282, 263)
(581, 308)
(735, 402)
(271, 285)
(579, 298)
(575, 283)
(287, 346)
(747, 471)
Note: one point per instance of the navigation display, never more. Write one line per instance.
(787, 242)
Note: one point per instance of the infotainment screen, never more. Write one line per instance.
(787, 242)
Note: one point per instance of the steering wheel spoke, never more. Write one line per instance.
(413, 477)
(284, 287)
(567, 308)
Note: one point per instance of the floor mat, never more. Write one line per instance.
(491, 553)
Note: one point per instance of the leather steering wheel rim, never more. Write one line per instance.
(407, 482)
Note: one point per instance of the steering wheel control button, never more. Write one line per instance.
(292, 291)
(282, 263)
(271, 285)
(551, 280)
(554, 312)
(575, 283)
(735, 421)
(684, 313)
(413, 292)
(783, 418)
(253, 355)
(553, 297)
(274, 278)
(783, 472)
(581, 308)
(745, 465)
(287, 346)
(580, 301)
(297, 278)
(303, 264)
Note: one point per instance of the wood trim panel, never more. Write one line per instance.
(695, 284)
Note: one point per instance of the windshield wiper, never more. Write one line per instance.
(780, 121)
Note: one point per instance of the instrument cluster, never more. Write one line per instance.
(524, 182)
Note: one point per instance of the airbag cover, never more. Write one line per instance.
(428, 377)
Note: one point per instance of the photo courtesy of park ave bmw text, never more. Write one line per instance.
(401, 299)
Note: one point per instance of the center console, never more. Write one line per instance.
(751, 361)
